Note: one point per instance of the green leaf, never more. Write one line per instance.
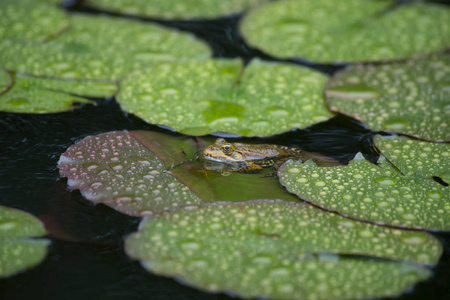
(411, 98)
(103, 48)
(275, 249)
(354, 30)
(417, 159)
(365, 191)
(197, 98)
(115, 169)
(172, 9)
(17, 251)
(39, 95)
(29, 19)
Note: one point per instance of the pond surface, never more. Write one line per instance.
(86, 257)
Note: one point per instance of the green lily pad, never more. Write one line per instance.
(417, 159)
(352, 30)
(40, 95)
(30, 19)
(17, 250)
(197, 98)
(103, 48)
(411, 98)
(275, 249)
(115, 169)
(172, 9)
(365, 191)
(5, 81)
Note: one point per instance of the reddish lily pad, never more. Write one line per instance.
(115, 169)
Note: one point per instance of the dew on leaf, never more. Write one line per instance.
(415, 107)
(130, 186)
(170, 9)
(381, 194)
(209, 100)
(301, 250)
(355, 31)
(18, 248)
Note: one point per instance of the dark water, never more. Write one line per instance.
(86, 259)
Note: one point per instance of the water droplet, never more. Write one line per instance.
(413, 239)
(302, 180)
(198, 264)
(294, 170)
(408, 216)
(278, 111)
(434, 195)
(385, 180)
(365, 233)
(190, 245)
(320, 183)
(261, 123)
(396, 124)
(262, 259)
(278, 272)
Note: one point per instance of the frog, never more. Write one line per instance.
(227, 157)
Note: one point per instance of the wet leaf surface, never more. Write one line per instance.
(41, 95)
(28, 19)
(417, 159)
(115, 169)
(197, 98)
(410, 98)
(365, 191)
(280, 250)
(173, 9)
(17, 250)
(351, 31)
(97, 47)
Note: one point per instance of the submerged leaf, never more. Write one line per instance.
(175, 9)
(30, 19)
(100, 48)
(352, 30)
(365, 191)
(197, 98)
(115, 169)
(275, 249)
(17, 251)
(417, 159)
(411, 98)
(39, 95)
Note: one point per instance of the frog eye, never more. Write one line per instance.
(227, 149)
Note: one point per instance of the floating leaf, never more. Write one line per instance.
(100, 48)
(354, 30)
(17, 251)
(417, 159)
(275, 249)
(172, 9)
(365, 191)
(220, 95)
(38, 95)
(115, 169)
(411, 98)
(30, 19)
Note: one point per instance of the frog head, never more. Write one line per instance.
(221, 151)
